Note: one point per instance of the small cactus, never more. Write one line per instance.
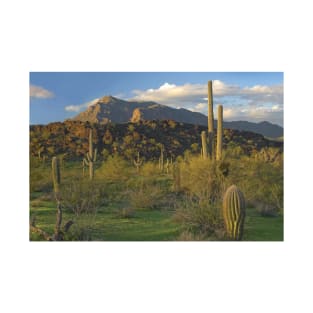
(138, 162)
(91, 156)
(167, 166)
(234, 212)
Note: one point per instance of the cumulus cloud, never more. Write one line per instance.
(172, 94)
(80, 107)
(39, 92)
(254, 103)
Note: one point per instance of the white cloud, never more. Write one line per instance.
(80, 107)
(255, 103)
(39, 92)
(171, 93)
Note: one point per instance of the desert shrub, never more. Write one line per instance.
(40, 180)
(83, 196)
(149, 169)
(146, 194)
(114, 169)
(199, 216)
(265, 210)
(126, 212)
(189, 236)
(261, 182)
(203, 178)
(81, 230)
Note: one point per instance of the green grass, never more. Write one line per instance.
(258, 228)
(147, 224)
(150, 225)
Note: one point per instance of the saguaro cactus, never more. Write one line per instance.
(234, 212)
(176, 176)
(91, 156)
(56, 177)
(161, 159)
(219, 145)
(210, 120)
(204, 145)
(167, 166)
(138, 162)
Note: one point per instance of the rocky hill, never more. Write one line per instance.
(111, 109)
(146, 137)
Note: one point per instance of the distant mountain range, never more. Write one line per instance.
(111, 109)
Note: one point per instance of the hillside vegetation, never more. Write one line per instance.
(70, 139)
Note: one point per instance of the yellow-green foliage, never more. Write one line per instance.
(149, 169)
(234, 210)
(261, 182)
(114, 169)
(202, 178)
(83, 196)
(146, 194)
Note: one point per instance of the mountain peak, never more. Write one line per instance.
(108, 99)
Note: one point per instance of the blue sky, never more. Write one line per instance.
(250, 96)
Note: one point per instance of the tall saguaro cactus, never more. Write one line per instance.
(56, 177)
(210, 120)
(234, 212)
(204, 144)
(91, 156)
(219, 145)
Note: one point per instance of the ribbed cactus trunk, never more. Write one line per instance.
(91, 156)
(204, 145)
(56, 177)
(234, 212)
(161, 159)
(210, 120)
(219, 146)
(91, 171)
(176, 177)
(138, 163)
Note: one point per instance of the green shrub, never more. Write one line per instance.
(198, 216)
(115, 169)
(146, 195)
(83, 196)
(203, 179)
(126, 212)
(81, 230)
(149, 169)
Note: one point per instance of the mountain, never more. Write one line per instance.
(111, 109)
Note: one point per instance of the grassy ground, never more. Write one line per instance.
(151, 218)
(147, 225)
